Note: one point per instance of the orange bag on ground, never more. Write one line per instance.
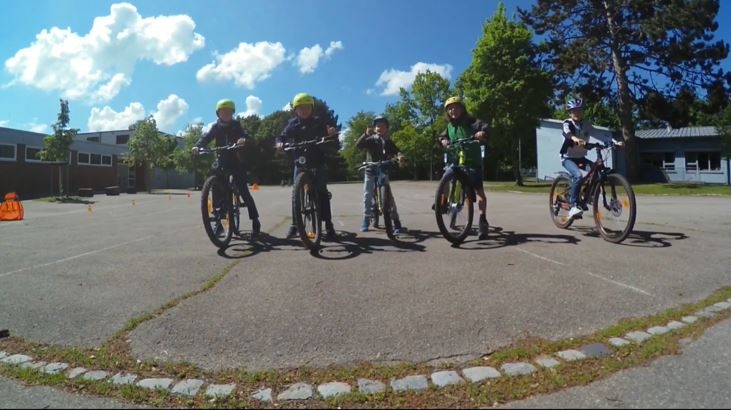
(11, 209)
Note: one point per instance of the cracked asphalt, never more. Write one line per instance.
(73, 276)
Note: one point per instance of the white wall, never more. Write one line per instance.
(549, 139)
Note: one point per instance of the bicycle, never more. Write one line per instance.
(609, 193)
(221, 201)
(382, 196)
(455, 197)
(305, 197)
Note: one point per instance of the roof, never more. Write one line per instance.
(35, 139)
(560, 122)
(685, 132)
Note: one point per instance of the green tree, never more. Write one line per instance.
(147, 147)
(354, 156)
(274, 169)
(619, 51)
(186, 162)
(426, 99)
(505, 86)
(56, 147)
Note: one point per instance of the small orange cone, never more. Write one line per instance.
(88, 209)
(255, 187)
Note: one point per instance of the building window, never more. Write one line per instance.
(122, 139)
(703, 161)
(85, 158)
(31, 154)
(661, 160)
(7, 152)
(94, 139)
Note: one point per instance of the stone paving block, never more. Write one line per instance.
(367, 386)
(705, 313)
(95, 375)
(719, 307)
(16, 359)
(415, 382)
(220, 390)
(333, 389)
(547, 362)
(689, 319)
(480, 373)
(55, 367)
(595, 350)
(658, 330)
(517, 369)
(618, 341)
(123, 378)
(73, 373)
(297, 391)
(675, 325)
(188, 387)
(3, 355)
(570, 355)
(638, 336)
(155, 383)
(263, 395)
(33, 365)
(446, 378)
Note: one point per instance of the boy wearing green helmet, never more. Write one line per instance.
(462, 125)
(227, 132)
(303, 127)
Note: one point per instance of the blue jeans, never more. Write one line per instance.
(368, 186)
(571, 165)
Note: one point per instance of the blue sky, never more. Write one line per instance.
(117, 62)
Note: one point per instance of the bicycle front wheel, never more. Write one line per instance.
(217, 212)
(385, 206)
(558, 202)
(453, 209)
(306, 211)
(615, 208)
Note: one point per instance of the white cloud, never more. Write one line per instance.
(245, 65)
(98, 64)
(309, 57)
(169, 111)
(287, 107)
(4, 123)
(38, 127)
(393, 80)
(253, 106)
(106, 119)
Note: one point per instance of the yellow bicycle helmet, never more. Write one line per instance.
(453, 100)
(226, 103)
(302, 99)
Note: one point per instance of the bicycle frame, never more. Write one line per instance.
(462, 172)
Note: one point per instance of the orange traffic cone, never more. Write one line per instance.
(255, 187)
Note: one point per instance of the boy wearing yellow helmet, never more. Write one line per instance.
(303, 127)
(226, 132)
(462, 125)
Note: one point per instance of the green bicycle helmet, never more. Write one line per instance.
(226, 103)
(302, 99)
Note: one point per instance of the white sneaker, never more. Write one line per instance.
(575, 211)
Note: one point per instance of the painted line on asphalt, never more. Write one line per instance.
(42, 265)
(624, 285)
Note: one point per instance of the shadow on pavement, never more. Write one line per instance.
(642, 239)
(499, 238)
(349, 245)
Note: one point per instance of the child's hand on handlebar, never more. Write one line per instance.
(194, 151)
(241, 142)
(480, 136)
(331, 131)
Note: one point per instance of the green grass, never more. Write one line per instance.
(689, 189)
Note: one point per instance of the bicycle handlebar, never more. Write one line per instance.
(289, 146)
(206, 150)
(368, 164)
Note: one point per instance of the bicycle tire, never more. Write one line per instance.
(446, 206)
(217, 226)
(307, 211)
(615, 213)
(385, 209)
(558, 205)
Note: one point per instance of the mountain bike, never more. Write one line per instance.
(610, 194)
(221, 201)
(382, 196)
(456, 196)
(305, 196)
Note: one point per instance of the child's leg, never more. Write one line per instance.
(575, 173)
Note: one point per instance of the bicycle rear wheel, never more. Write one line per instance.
(453, 209)
(558, 202)
(217, 212)
(385, 209)
(306, 211)
(615, 208)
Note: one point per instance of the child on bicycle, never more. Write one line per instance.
(303, 127)
(227, 132)
(576, 133)
(462, 125)
(379, 146)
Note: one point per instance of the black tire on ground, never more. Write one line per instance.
(86, 192)
(112, 190)
(306, 211)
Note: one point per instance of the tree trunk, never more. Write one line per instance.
(625, 101)
(148, 177)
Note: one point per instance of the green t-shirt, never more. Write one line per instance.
(473, 155)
